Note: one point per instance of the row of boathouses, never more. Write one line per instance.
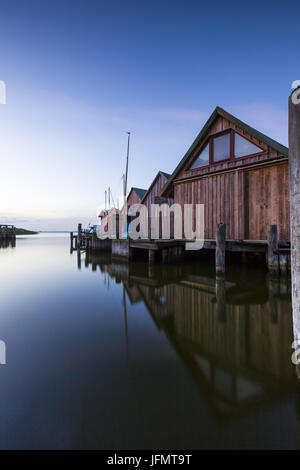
(240, 175)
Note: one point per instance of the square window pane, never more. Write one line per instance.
(222, 147)
(242, 147)
(202, 159)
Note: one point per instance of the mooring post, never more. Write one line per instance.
(272, 255)
(294, 167)
(79, 235)
(220, 248)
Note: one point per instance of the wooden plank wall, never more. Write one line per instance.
(133, 199)
(222, 196)
(159, 183)
(267, 195)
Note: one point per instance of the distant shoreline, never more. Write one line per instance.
(23, 231)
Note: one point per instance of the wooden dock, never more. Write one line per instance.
(7, 232)
(275, 253)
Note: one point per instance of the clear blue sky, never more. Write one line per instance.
(79, 74)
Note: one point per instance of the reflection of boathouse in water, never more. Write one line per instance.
(238, 355)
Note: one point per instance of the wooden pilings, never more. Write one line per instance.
(79, 234)
(84, 240)
(120, 248)
(278, 259)
(169, 251)
(294, 166)
(172, 254)
(7, 232)
(220, 249)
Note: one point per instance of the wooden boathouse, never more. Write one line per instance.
(239, 174)
(151, 196)
(135, 196)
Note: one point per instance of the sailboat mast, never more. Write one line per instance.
(126, 174)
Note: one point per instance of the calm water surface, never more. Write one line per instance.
(107, 355)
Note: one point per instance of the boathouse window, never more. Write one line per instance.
(225, 146)
(242, 147)
(202, 159)
(221, 147)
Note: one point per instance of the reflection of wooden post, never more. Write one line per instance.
(87, 259)
(220, 248)
(180, 252)
(273, 287)
(164, 254)
(221, 298)
(297, 400)
(273, 261)
(125, 321)
(151, 257)
(283, 262)
(294, 166)
(78, 259)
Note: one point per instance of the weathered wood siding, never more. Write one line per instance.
(154, 190)
(267, 197)
(222, 196)
(133, 198)
(247, 193)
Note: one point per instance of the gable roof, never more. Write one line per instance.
(140, 192)
(166, 175)
(242, 125)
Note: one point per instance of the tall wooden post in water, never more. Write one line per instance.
(294, 166)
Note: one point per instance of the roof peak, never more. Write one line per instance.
(241, 124)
